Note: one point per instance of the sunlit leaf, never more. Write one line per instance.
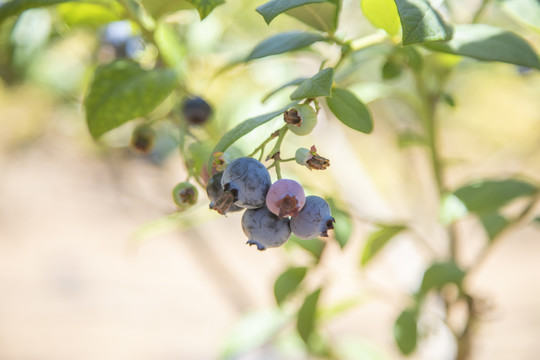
(440, 274)
(322, 16)
(284, 42)
(15, 7)
(486, 196)
(350, 110)
(287, 283)
(405, 331)
(172, 49)
(297, 81)
(159, 8)
(122, 91)
(489, 43)
(306, 315)
(273, 8)
(526, 11)
(205, 7)
(377, 240)
(382, 14)
(91, 14)
(318, 85)
(421, 23)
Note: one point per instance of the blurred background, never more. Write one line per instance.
(96, 263)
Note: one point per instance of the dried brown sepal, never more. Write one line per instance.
(292, 117)
(224, 202)
(317, 162)
(287, 206)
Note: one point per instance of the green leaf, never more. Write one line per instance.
(350, 110)
(318, 85)
(122, 91)
(159, 8)
(253, 331)
(306, 315)
(273, 8)
(244, 128)
(287, 283)
(489, 43)
(314, 246)
(421, 23)
(90, 14)
(536, 220)
(322, 16)
(382, 14)
(440, 274)
(15, 7)
(172, 50)
(526, 11)
(405, 331)
(284, 42)
(377, 240)
(205, 7)
(297, 81)
(411, 138)
(343, 231)
(494, 223)
(486, 196)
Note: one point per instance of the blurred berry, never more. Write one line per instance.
(185, 195)
(143, 138)
(196, 110)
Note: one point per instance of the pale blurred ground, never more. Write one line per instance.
(75, 285)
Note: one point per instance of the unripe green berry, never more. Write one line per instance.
(302, 156)
(301, 119)
(143, 138)
(185, 195)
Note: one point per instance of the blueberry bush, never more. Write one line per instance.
(147, 75)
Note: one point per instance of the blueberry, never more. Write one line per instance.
(185, 195)
(214, 190)
(265, 229)
(300, 119)
(285, 198)
(143, 138)
(248, 181)
(196, 110)
(313, 220)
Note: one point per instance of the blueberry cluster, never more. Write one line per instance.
(273, 211)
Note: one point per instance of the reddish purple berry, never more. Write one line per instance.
(285, 198)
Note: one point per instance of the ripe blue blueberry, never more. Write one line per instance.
(196, 110)
(248, 181)
(264, 229)
(313, 220)
(215, 191)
